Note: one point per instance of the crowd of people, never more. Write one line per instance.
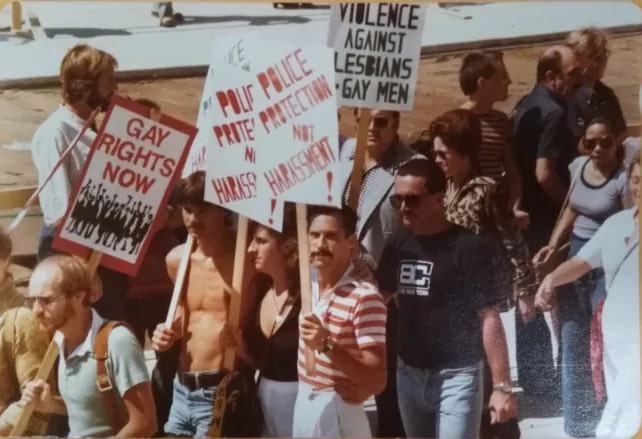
(479, 213)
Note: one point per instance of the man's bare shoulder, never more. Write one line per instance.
(173, 258)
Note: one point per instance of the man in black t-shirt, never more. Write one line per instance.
(448, 313)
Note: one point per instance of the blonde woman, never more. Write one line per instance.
(594, 98)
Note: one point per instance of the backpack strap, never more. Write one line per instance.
(103, 380)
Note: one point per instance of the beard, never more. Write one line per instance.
(95, 100)
(54, 324)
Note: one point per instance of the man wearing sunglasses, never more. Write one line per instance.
(448, 313)
(544, 147)
(376, 221)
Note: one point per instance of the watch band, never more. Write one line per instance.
(504, 388)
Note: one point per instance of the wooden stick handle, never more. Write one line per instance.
(237, 286)
(179, 282)
(359, 158)
(304, 269)
(48, 361)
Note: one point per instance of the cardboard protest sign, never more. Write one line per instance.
(296, 124)
(128, 175)
(377, 48)
(231, 154)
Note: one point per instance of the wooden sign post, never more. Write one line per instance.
(304, 273)
(48, 362)
(359, 158)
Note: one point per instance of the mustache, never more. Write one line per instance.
(321, 253)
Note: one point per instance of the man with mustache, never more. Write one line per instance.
(346, 331)
(61, 289)
(88, 82)
(376, 221)
(448, 313)
(201, 321)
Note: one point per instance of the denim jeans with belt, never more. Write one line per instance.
(577, 302)
(191, 412)
(440, 404)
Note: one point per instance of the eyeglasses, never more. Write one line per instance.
(43, 301)
(411, 201)
(378, 121)
(604, 142)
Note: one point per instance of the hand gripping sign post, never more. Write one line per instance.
(121, 139)
(222, 123)
(377, 48)
(298, 135)
(133, 158)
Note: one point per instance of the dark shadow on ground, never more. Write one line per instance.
(84, 32)
(250, 20)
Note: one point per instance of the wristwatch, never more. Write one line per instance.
(504, 388)
(328, 345)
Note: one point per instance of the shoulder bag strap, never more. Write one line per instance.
(103, 380)
(576, 175)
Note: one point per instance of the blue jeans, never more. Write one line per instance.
(440, 404)
(191, 412)
(577, 302)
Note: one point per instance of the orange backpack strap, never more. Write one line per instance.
(103, 381)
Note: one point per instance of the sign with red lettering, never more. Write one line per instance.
(117, 202)
(296, 124)
(227, 50)
(377, 48)
(231, 155)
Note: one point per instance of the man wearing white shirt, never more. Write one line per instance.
(88, 82)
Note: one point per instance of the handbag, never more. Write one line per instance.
(560, 254)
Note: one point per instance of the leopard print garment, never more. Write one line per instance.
(480, 205)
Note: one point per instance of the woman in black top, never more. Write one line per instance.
(271, 331)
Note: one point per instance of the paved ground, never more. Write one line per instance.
(22, 110)
(129, 31)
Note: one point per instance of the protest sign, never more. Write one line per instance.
(228, 50)
(296, 124)
(377, 48)
(130, 169)
(231, 154)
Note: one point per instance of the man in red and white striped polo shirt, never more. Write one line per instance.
(346, 331)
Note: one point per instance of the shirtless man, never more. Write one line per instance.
(202, 313)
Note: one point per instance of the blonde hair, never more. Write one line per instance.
(589, 43)
(80, 69)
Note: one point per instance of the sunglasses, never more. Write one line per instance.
(604, 142)
(378, 122)
(411, 201)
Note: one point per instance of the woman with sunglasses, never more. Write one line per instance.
(474, 202)
(271, 328)
(597, 191)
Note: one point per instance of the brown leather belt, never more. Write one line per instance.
(200, 380)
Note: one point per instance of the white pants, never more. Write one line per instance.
(277, 403)
(325, 414)
(621, 415)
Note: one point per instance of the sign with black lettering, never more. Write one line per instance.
(131, 167)
(376, 53)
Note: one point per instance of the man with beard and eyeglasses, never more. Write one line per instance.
(88, 82)
(61, 289)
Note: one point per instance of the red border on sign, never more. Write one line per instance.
(74, 248)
